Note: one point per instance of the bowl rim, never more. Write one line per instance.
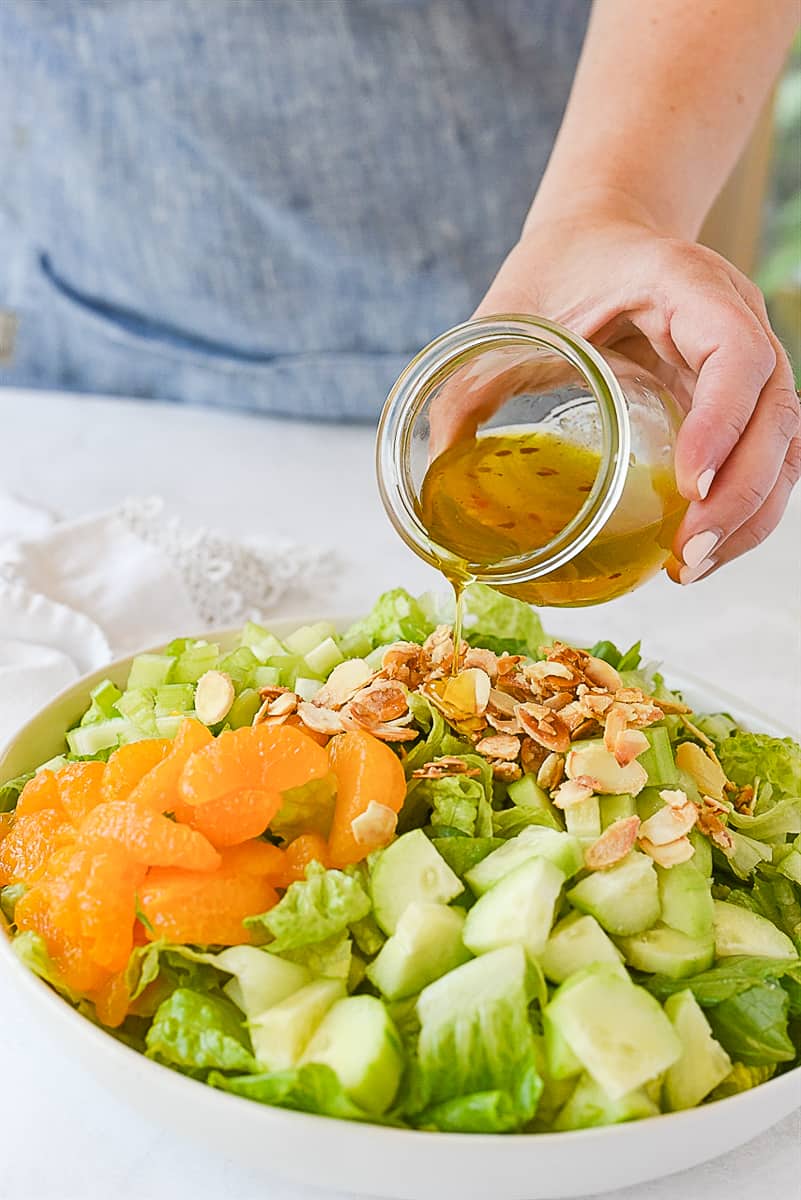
(104, 1043)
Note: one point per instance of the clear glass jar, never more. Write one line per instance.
(547, 389)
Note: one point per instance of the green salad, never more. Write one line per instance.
(510, 886)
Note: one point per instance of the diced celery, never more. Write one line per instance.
(196, 660)
(355, 645)
(613, 808)
(167, 727)
(306, 688)
(263, 643)
(244, 709)
(266, 677)
(240, 665)
(139, 706)
(90, 739)
(375, 658)
(658, 759)
(323, 658)
(150, 670)
(174, 698)
(289, 667)
(53, 764)
(105, 696)
(307, 637)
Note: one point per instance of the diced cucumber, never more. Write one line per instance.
(617, 1030)
(658, 759)
(463, 853)
(323, 658)
(623, 899)
(239, 665)
(307, 637)
(589, 1106)
(150, 670)
(260, 979)
(665, 951)
(91, 739)
(740, 931)
(648, 802)
(425, 945)
(560, 1061)
(243, 709)
(409, 869)
(583, 820)
(374, 658)
(535, 841)
(576, 942)
(703, 1063)
(526, 793)
(174, 698)
(517, 911)
(615, 808)
(685, 898)
(477, 984)
(702, 859)
(167, 727)
(266, 677)
(263, 644)
(790, 866)
(196, 660)
(289, 667)
(281, 1033)
(306, 688)
(358, 1040)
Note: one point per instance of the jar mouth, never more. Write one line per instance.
(428, 370)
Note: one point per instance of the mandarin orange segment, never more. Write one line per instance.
(128, 766)
(255, 757)
(256, 858)
(107, 907)
(148, 837)
(305, 849)
(80, 788)
(159, 787)
(30, 842)
(233, 819)
(322, 739)
(39, 793)
(70, 955)
(367, 771)
(112, 1001)
(203, 909)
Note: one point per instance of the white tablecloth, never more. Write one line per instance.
(62, 1137)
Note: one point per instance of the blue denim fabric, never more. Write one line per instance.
(268, 204)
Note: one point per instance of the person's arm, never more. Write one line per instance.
(663, 101)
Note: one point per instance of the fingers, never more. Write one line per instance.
(726, 346)
(751, 533)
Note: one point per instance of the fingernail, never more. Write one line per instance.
(690, 574)
(699, 547)
(704, 483)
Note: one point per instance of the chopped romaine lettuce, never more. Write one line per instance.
(747, 757)
(752, 1025)
(322, 905)
(395, 617)
(501, 623)
(313, 1088)
(308, 808)
(10, 792)
(195, 1031)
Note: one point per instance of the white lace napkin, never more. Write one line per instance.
(75, 594)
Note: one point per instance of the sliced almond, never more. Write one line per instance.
(385, 700)
(630, 744)
(375, 826)
(551, 772)
(571, 793)
(214, 696)
(602, 673)
(669, 824)
(603, 773)
(613, 845)
(544, 726)
(469, 691)
(704, 771)
(321, 720)
(616, 722)
(547, 670)
(499, 745)
(669, 855)
(500, 704)
(486, 660)
(506, 772)
(438, 768)
(345, 681)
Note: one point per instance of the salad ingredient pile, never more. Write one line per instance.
(506, 886)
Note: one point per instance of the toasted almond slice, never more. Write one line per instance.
(499, 745)
(486, 660)
(547, 670)
(602, 673)
(500, 704)
(552, 771)
(670, 854)
(668, 824)
(613, 845)
(284, 705)
(438, 768)
(345, 681)
(375, 826)
(385, 700)
(321, 720)
(704, 771)
(544, 726)
(501, 726)
(594, 763)
(617, 719)
(710, 824)
(570, 793)
(506, 772)
(630, 744)
(468, 692)
(214, 696)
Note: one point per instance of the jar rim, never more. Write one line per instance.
(428, 369)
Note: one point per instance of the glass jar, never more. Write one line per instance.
(593, 517)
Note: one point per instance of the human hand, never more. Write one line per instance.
(701, 327)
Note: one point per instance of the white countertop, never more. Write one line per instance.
(64, 1138)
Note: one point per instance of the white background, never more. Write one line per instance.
(61, 1137)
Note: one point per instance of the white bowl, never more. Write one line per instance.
(369, 1159)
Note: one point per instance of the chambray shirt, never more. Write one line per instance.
(265, 204)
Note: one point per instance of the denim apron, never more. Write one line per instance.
(264, 204)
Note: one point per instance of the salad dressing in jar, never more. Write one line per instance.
(514, 453)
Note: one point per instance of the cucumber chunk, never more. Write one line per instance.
(615, 808)
(260, 979)
(590, 1106)
(584, 820)
(517, 911)
(623, 899)
(616, 1029)
(685, 898)
(576, 942)
(425, 945)
(323, 658)
(358, 1040)
(702, 859)
(306, 637)
(658, 759)
(281, 1033)
(740, 931)
(535, 841)
(666, 951)
(463, 853)
(526, 793)
(150, 671)
(560, 1061)
(703, 1063)
(409, 869)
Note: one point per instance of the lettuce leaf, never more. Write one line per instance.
(313, 1088)
(752, 1025)
(508, 822)
(501, 623)
(308, 808)
(460, 802)
(395, 617)
(313, 910)
(31, 949)
(772, 825)
(195, 1031)
(741, 1078)
(331, 957)
(9, 895)
(747, 757)
(463, 853)
(10, 792)
(486, 1112)
(729, 978)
